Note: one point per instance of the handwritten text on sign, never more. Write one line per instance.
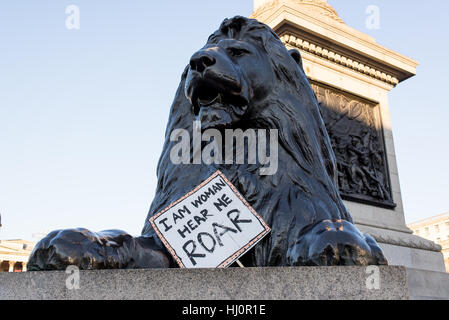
(210, 227)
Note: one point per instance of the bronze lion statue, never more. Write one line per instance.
(243, 77)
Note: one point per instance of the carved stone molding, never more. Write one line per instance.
(399, 238)
(316, 8)
(417, 243)
(337, 58)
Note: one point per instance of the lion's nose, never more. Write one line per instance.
(201, 60)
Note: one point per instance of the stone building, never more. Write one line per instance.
(352, 75)
(14, 255)
(435, 229)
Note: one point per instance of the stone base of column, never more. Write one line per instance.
(303, 283)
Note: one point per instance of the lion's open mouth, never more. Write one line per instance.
(206, 95)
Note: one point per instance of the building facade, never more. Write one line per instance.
(14, 255)
(435, 229)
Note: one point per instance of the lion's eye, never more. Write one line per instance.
(237, 52)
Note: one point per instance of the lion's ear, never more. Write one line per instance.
(296, 55)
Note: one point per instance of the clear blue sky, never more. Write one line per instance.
(83, 112)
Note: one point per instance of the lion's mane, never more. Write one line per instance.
(304, 191)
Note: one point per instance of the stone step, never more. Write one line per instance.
(301, 283)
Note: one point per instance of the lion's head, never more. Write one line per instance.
(244, 77)
(241, 66)
(231, 75)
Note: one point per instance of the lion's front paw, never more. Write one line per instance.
(333, 243)
(112, 249)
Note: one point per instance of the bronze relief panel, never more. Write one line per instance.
(355, 129)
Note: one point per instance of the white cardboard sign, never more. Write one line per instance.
(211, 226)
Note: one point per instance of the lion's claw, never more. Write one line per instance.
(112, 249)
(332, 243)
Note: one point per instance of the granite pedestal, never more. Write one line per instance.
(304, 283)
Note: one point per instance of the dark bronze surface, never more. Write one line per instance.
(355, 129)
(243, 78)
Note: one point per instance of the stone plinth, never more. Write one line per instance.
(350, 71)
(303, 283)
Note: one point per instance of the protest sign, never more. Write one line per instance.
(211, 226)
